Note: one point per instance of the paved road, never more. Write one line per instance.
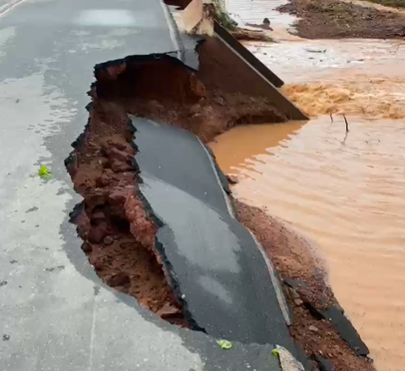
(55, 314)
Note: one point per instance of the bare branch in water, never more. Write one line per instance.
(347, 124)
(344, 140)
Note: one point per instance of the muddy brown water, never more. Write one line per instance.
(345, 195)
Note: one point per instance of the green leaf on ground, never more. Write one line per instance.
(44, 172)
(224, 344)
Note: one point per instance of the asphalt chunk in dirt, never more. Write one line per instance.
(308, 296)
(324, 19)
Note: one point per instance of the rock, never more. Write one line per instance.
(98, 233)
(119, 279)
(266, 24)
(108, 240)
(219, 100)
(313, 328)
(87, 247)
(167, 310)
(114, 153)
(120, 167)
(232, 179)
(298, 302)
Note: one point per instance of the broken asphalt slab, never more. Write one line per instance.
(66, 319)
(215, 265)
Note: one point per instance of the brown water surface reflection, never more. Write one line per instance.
(346, 193)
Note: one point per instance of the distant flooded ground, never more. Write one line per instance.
(344, 191)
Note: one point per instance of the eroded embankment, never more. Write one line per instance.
(118, 234)
(113, 221)
(206, 103)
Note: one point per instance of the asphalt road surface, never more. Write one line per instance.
(55, 314)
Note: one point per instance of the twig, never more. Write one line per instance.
(347, 124)
(331, 117)
(344, 140)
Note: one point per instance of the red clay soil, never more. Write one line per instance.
(206, 103)
(325, 19)
(294, 259)
(118, 234)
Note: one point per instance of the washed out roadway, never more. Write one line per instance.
(55, 314)
(218, 267)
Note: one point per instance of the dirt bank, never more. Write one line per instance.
(118, 234)
(207, 102)
(296, 262)
(324, 19)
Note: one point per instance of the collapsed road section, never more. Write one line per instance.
(153, 189)
(155, 220)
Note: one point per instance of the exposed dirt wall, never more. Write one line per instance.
(118, 234)
(206, 102)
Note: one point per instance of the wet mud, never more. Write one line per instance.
(324, 19)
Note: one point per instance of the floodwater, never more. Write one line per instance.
(345, 192)
(347, 195)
